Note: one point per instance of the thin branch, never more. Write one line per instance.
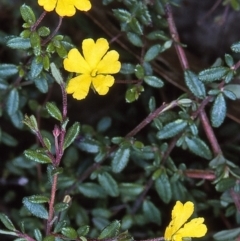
(173, 31)
(51, 204)
(210, 134)
(54, 32)
(34, 26)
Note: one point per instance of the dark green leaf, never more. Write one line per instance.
(53, 111)
(104, 124)
(43, 31)
(71, 135)
(225, 184)
(35, 209)
(158, 34)
(163, 188)
(153, 81)
(152, 52)
(229, 76)
(229, 60)
(120, 159)
(229, 94)
(50, 238)
(37, 156)
(7, 70)
(37, 234)
(130, 189)
(110, 231)
(198, 147)
(19, 43)
(233, 88)
(60, 207)
(41, 83)
(8, 140)
(69, 232)
(83, 230)
(136, 26)
(17, 119)
(27, 14)
(172, 129)
(12, 102)
(92, 190)
(151, 212)
(56, 73)
(89, 145)
(212, 74)
(194, 84)
(122, 15)
(36, 69)
(230, 234)
(135, 39)
(7, 222)
(108, 184)
(218, 111)
(127, 68)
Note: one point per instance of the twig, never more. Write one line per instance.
(34, 26)
(210, 134)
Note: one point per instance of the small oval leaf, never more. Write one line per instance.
(120, 159)
(218, 111)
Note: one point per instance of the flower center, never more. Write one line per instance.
(94, 73)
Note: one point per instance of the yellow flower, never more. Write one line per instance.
(94, 68)
(65, 7)
(180, 214)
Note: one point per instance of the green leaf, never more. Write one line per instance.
(133, 93)
(38, 199)
(53, 111)
(83, 230)
(136, 26)
(56, 73)
(7, 222)
(60, 207)
(12, 102)
(212, 74)
(229, 76)
(139, 71)
(233, 88)
(19, 43)
(236, 47)
(151, 212)
(71, 135)
(50, 238)
(37, 234)
(104, 124)
(135, 39)
(229, 60)
(198, 147)
(36, 69)
(229, 94)
(43, 31)
(17, 119)
(225, 184)
(130, 189)
(89, 145)
(92, 190)
(35, 209)
(27, 14)
(194, 84)
(122, 15)
(218, 111)
(153, 81)
(172, 129)
(163, 188)
(152, 52)
(120, 159)
(158, 34)
(110, 231)
(127, 68)
(108, 184)
(230, 234)
(8, 140)
(7, 70)
(61, 51)
(41, 83)
(37, 156)
(69, 232)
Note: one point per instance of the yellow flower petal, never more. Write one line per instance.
(65, 8)
(101, 83)
(79, 86)
(180, 214)
(48, 5)
(83, 5)
(76, 63)
(93, 52)
(194, 228)
(109, 64)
